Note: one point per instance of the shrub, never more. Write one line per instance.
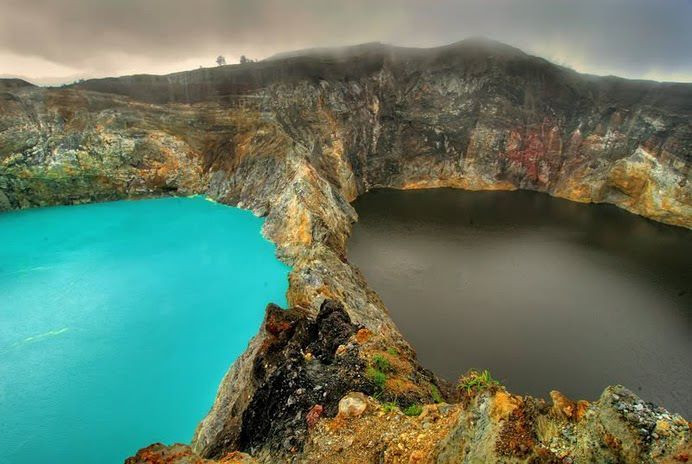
(381, 363)
(476, 381)
(413, 410)
(389, 406)
(377, 377)
(435, 394)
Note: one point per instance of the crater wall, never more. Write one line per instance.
(297, 138)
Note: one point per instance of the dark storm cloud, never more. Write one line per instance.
(636, 38)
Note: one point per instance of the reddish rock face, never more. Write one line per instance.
(477, 115)
(182, 454)
(314, 415)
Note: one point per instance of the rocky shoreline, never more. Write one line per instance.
(295, 140)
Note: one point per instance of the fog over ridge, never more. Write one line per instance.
(57, 41)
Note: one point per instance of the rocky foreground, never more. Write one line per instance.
(296, 139)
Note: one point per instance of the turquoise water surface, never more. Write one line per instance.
(118, 321)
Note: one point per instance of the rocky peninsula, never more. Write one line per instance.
(296, 138)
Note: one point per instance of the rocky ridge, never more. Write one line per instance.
(296, 139)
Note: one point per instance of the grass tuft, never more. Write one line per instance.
(546, 429)
(381, 363)
(435, 394)
(413, 410)
(393, 351)
(378, 377)
(475, 381)
(389, 406)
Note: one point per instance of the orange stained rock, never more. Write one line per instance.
(662, 427)
(398, 364)
(582, 407)
(401, 386)
(504, 404)
(417, 457)
(563, 406)
(458, 183)
(236, 457)
(300, 224)
(575, 191)
(314, 415)
(612, 442)
(363, 335)
(628, 178)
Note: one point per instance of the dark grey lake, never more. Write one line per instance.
(545, 293)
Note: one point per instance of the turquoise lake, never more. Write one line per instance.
(118, 321)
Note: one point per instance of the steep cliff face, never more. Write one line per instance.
(296, 138)
(474, 115)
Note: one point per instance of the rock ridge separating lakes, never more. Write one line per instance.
(296, 139)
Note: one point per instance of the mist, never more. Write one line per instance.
(52, 42)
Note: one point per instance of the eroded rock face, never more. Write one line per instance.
(301, 370)
(487, 425)
(182, 454)
(474, 115)
(295, 139)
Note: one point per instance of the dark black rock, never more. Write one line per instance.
(334, 328)
(290, 382)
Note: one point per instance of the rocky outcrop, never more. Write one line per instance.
(182, 454)
(296, 370)
(488, 424)
(297, 138)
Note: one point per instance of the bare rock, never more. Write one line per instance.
(182, 454)
(353, 405)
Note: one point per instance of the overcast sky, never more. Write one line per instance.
(55, 41)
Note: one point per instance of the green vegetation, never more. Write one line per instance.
(389, 406)
(476, 381)
(381, 363)
(393, 351)
(435, 394)
(413, 410)
(376, 376)
(378, 369)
